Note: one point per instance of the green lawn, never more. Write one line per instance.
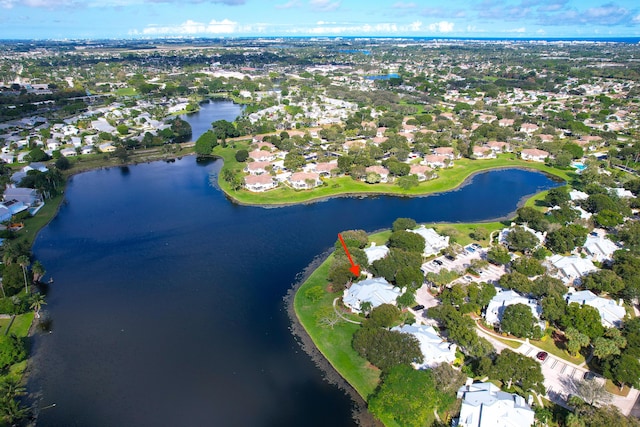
(550, 347)
(344, 186)
(21, 324)
(126, 91)
(33, 225)
(334, 343)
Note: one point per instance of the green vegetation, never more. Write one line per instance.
(343, 186)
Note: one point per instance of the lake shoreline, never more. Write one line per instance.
(364, 194)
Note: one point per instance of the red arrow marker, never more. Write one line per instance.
(355, 269)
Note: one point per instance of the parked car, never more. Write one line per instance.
(477, 246)
(542, 355)
(418, 307)
(449, 257)
(437, 261)
(589, 375)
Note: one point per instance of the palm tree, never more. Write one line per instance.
(9, 253)
(38, 271)
(24, 262)
(37, 301)
(11, 409)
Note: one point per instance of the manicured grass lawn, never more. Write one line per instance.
(126, 91)
(549, 346)
(615, 389)
(21, 324)
(334, 343)
(4, 323)
(34, 224)
(463, 231)
(447, 179)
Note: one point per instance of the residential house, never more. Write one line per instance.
(499, 146)
(259, 183)
(257, 168)
(502, 236)
(599, 248)
(380, 170)
(528, 128)
(578, 195)
(433, 242)
(534, 154)
(7, 157)
(107, 147)
(69, 152)
(483, 152)
(611, 314)
(445, 151)
(28, 196)
(504, 298)
(304, 180)
(438, 161)
(375, 252)
(421, 171)
(325, 168)
(13, 207)
(505, 122)
(434, 348)
(376, 291)
(262, 156)
(571, 268)
(485, 405)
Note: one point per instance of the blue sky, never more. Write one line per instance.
(43, 19)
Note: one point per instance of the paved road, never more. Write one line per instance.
(560, 376)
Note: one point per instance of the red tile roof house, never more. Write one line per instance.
(380, 170)
(262, 156)
(505, 122)
(266, 146)
(324, 169)
(257, 168)
(422, 172)
(483, 153)
(438, 161)
(304, 180)
(528, 128)
(380, 132)
(259, 183)
(445, 151)
(499, 146)
(534, 154)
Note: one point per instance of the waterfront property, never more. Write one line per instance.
(485, 405)
(375, 291)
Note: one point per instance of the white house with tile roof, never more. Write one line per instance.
(376, 291)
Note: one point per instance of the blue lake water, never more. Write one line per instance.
(167, 305)
(210, 111)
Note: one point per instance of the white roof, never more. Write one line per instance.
(503, 299)
(434, 349)
(599, 248)
(502, 236)
(572, 267)
(622, 193)
(375, 253)
(611, 314)
(484, 405)
(433, 242)
(578, 195)
(377, 291)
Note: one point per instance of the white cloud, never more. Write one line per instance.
(324, 5)
(516, 30)
(190, 27)
(332, 28)
(441, 27)
(288, 5)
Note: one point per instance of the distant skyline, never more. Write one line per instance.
(62, 19)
